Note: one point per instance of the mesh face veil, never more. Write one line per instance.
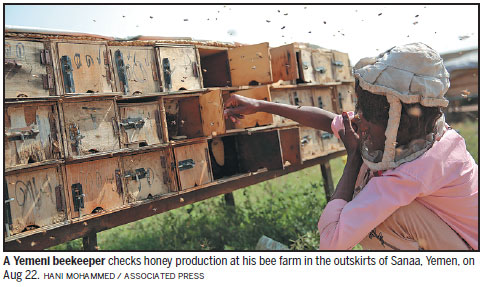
(412, 73)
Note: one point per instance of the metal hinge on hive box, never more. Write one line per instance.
(305, 140)
(29, 132)
(326, 136)
(132, 123)
(321, 70)
(77, 196)
(58, 198)
(45, 58)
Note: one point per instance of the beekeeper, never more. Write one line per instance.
(409, 182)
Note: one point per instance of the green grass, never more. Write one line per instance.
(285, 209)
(469, 131)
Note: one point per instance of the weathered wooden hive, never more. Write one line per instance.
(94, 124)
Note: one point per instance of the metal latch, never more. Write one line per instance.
(321, 70)
(132, 123)
(11, 63)
(29, 132)
(296, 99)
(138, 174)
(75, 135)
(45, 57)
(77, 196)
(186, 164)
(321, 104)
(167, 74)
(67, 70)
(306, 65)
(121, 71)
(7, 213)
(326, 136)
(305, 140)
(338, 63)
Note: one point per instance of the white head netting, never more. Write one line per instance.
(412, 73)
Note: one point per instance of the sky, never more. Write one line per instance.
(360, 30)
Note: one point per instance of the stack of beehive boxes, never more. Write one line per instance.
(94, 125)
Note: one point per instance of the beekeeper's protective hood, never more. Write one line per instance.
(412, 73)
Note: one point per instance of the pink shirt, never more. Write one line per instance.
(444, 179)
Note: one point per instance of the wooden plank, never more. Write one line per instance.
(311, 143)
(140, 124)
(99, 184)
(290, 142)
(256, 119)
(322, 65)
(215, 68)
(330, 142)
(38, 198)
(341, 68)
(89, 70)
(140, 67)
(346, 96)
(325, 99)
(90, 126)
(195, 161)
(38, 123)
(179, 67)
(284, 63)
(282, 96)
(303, 97)
(250, 65)
(46, 237)
(211, 107)
(144, 177)
(23, 70)
(306, 70)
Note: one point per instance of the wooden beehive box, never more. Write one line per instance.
(236, 154)
(188, 116)
(28, 71)
(214, 66)
(32, 133)
(311, 142)
(148, 174)
(135, 70)
(140, 123)
(93, 186)
(192, 161)
(179, 67)
(250, 65)
(296, 63)
(90, 126)
(342, 70)
(247, 65)
(282, 96)
(346, 97)
(82, 67)
(34, 198)
(256, 119)
(325, 98)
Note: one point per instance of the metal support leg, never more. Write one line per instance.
(90, 242)
(328, 182)
(229, 199)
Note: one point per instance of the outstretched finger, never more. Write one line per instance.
(347, 122)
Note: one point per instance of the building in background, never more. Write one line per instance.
(463, 91)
